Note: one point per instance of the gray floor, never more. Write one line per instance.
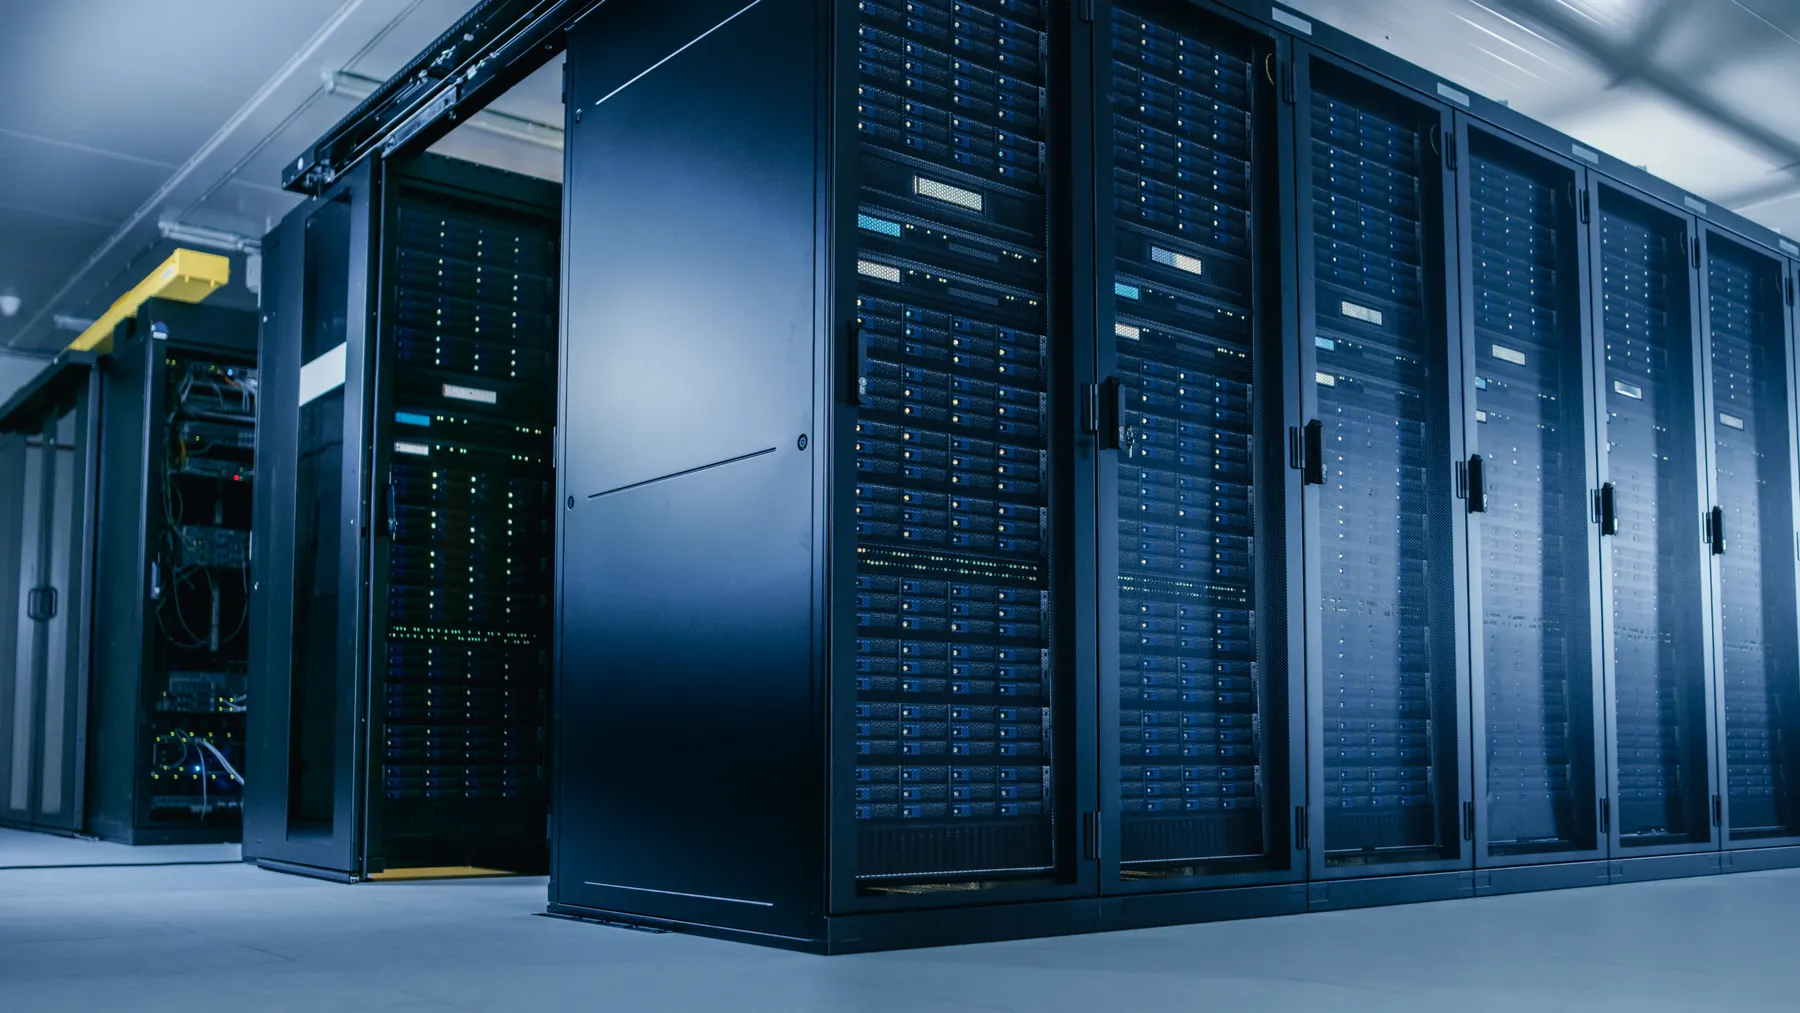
(20, 850)
(198, 938)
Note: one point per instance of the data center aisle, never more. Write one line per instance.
(200, 938)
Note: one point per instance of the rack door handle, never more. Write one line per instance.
(860, 387)
(1312, 441)
(1477, 485)
(1715, 531)
(40, 604)
(1609, 509)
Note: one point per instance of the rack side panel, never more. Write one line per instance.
(688, 751)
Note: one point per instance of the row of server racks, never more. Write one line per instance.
(123, 623)
(400, 621)
(1035, 467)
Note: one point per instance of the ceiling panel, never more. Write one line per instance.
(68, 181)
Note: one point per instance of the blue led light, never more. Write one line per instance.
(880, 225)
(411, 419)
(1126, 291)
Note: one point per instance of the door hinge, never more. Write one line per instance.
(1084, 9)
(1468, 821)
(1718, 811)
(1581, 206)
(1301, 843)
(1090, 835)
(1605, 817)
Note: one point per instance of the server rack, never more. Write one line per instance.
(172, 589)
(1651, 506)
(1387, 692)
(1749, 330)
(404, 526)
(1200, 684)
(1538, 700)
(48, 449)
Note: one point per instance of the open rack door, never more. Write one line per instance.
(308, 531)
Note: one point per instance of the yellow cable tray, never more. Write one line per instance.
(187, 276)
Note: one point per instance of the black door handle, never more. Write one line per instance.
(1716, 531)
(1477, 485)
(1313, 453)
(1609, 509)
(40, 604)
(393, 510)
(859, 391)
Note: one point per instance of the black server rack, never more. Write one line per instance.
(49, 453)
(1752, 537)
(1539, 701)
(1199, 763)
(1651, 506)
(168, 687)
(405, 570)
(1387, 692)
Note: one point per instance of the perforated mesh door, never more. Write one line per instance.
(1188, 738)
(1659, 664)
(1754, 490)
(1386, 533)
(953, 497)
(1534, 577)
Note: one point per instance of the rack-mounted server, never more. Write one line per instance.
(1157, 465)
(404, 633)
(172, 594)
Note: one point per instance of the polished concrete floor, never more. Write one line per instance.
(230, 937)
(21, 850)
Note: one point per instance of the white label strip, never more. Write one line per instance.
(1585, 154)
(1696, 206)
(1629, 389)
(416, 449)
(1511, 355)
(1456, 95)
(324, 374)
(475, 394)
(1325, 343)
(1178, 261)
(1127, 331)
(885, 272)
(1788, 248)
(948, 194)
(1480, 416)
(1294, 21)
(1363, 313)
(1731, 420)
(1325, 379)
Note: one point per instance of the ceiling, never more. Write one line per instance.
(121, 115)
(1700, 92)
